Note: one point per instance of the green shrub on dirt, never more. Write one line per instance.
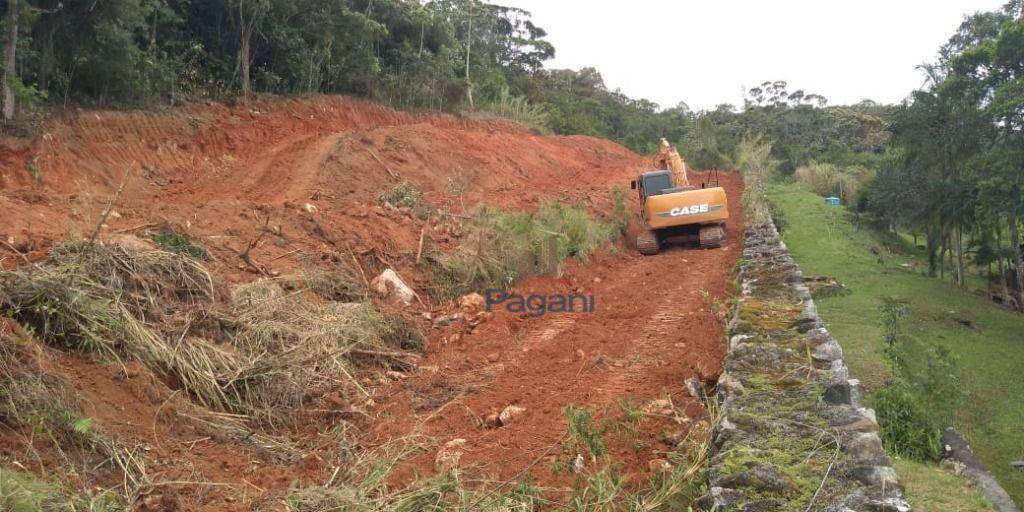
(501, 247)
(621, 214)
(583, 436)
(179, 243)
(404, 195)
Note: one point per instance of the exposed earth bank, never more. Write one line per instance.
(297, 183)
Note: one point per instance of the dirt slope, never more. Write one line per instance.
(204, 169)
(309, 173)
(657, 323)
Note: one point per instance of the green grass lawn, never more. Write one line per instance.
(931, 489)
(989, 352)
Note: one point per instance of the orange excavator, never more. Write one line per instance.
(674, 210)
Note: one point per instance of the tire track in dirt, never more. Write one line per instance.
(548, 332)
(653, 329)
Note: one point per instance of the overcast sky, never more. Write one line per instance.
(704, 52)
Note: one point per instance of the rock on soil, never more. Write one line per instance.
(510, 413)
(506, 416)
(446, 320)
(390, 286)
(447, 457)
(472, 302)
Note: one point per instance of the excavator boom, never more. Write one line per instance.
(668, 159)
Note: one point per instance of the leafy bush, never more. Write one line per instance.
(404, 195)
(778, 217)
(907, 430)
(179, 243)
(925, 384)
(893, 310)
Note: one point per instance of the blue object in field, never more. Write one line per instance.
(832, 201)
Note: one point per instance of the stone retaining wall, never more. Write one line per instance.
(793, 435)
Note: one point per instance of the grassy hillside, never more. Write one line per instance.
(986, 342)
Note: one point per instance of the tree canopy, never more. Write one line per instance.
(956, 172)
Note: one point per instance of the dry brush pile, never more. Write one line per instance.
(252, 359)
(263, 355)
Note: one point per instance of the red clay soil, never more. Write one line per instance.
(657, 323)
(218, 172)
(311, 171)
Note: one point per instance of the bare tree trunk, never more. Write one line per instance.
(1015, 240)
(469, 47)
(1002, 267)
(960, 279)
(244, 61)
(942, 262)
(989, 277)
(10, 47)
(248, 15)
(46, 57)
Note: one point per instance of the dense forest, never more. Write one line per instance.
(444, 55)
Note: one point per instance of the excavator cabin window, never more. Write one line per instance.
(656, 183)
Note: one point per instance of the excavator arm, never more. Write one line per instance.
(668, 159)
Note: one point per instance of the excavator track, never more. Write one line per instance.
(712, 236)
(647, 243)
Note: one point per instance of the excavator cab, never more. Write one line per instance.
(656, 183)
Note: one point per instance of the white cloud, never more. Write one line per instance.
(705, 52)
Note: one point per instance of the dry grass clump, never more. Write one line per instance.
(301, 347)
(364, 487)
(339, 285)
(110, 300)
(827, 179)
(262, 356)
(754, 157)
(24, 492)
(39, 404)
(517, 109)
